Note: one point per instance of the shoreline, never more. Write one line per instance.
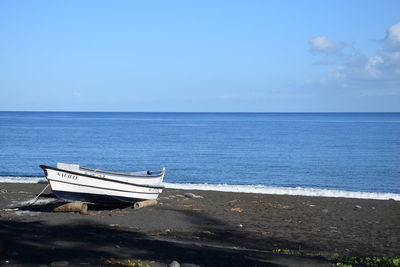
(216, 222)
(253, 189)
(287, 191)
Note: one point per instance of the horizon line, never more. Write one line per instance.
(63, 111)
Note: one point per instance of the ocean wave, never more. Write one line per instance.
(294, 191)
(257, 189)
(22, 179)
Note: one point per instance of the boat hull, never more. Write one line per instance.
(79, 186)
(92, 198)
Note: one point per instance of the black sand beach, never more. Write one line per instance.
(214, 229)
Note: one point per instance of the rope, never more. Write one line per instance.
(37, 197)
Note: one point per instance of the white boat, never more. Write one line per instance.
(72, 182)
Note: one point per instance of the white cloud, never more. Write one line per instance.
(372, 67)
(322, 44)
(392, 38)
(353, 69)
(76, 94)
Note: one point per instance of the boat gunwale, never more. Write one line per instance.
(124, 174)
(44, 167)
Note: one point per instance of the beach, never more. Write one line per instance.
(206, 228)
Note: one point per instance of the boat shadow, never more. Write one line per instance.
(91, 243)
(203, 239)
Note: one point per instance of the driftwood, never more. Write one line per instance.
(145, 203)
(73, 207)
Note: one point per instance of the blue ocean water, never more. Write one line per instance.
(341, 151)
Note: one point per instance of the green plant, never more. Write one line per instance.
(346, 261)
(343, 264)
(289, 252)
(128, 263)
(369, 261)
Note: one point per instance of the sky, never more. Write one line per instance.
(200, 56)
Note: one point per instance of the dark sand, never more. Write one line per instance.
(219, 229)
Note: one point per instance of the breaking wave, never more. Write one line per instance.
(22, 179)
(294, 191)
(258, 189)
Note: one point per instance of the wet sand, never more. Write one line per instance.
(215, 229)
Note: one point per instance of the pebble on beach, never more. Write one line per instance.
(174, 264)
(191, 195)
(59, 263)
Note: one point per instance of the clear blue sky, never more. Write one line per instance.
(253, 56)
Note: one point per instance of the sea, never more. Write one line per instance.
(353, 155)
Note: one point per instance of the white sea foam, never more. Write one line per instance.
(295, 191)
(258, 189)
(22, 180)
